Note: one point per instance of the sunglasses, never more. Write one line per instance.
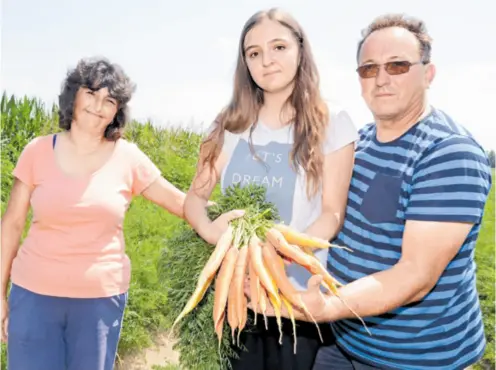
(392, 68)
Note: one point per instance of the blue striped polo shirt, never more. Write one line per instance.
(434, 172)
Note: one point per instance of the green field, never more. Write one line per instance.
(146, 225)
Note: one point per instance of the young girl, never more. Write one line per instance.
(278, 131)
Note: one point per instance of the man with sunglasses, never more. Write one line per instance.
(414, 213)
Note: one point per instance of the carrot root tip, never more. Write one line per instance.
(312, 318)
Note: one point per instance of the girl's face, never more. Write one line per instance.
(272, 55)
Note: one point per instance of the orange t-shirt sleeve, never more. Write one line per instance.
(145, 172)
(24, 169)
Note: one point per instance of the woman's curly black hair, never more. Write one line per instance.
(94, 74)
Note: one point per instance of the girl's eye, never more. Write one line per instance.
(253, 55)
(280, 47)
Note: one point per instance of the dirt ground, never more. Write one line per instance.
(161, 353)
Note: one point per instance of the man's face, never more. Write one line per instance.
(390, 96)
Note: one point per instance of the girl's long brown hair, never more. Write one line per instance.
(310, 111)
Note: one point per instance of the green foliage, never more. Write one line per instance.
(168, 367)
(174, 151)
(491, 157)
(484, 257)
(181, 262)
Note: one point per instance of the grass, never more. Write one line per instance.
(145, 227)
(484, 257)
(148, 226)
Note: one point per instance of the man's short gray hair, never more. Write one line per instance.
(412, 24)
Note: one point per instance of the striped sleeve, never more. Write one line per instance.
(450, 183)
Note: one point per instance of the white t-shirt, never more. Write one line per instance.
(285, 188)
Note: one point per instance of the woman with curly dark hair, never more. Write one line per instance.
(71, 276)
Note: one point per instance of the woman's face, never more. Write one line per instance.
(94, 110)
(272, 55)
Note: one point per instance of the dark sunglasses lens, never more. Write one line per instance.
(397, 68)
(368, 71)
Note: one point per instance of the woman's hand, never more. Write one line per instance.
(5, 319)
(212, 231)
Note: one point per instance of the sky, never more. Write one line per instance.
(181, 54)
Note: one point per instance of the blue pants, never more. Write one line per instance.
(331, 357)
(53, 333)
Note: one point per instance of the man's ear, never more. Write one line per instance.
(430, 74)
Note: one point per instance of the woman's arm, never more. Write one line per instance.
(166, 195)
(428, 247)
(13, 223)
(195, 204)
(338, 168)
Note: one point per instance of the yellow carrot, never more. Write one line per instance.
(291, 316)
(262, 299)
(276, 306)
(207, 274)
(301, 239)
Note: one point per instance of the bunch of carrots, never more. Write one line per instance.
(255, 247)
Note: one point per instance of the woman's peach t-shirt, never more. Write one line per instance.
(75, 245)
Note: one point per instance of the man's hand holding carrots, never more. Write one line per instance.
(317, 303)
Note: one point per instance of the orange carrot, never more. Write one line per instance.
(243, 307)
(222, 283)
(208, 273)
(311, 263)
(277, 271)
(307, 250)
(302, 239)
(232, 317)
(289, 308)
(238, 281)
(255, 247)
(254, 288)
(268, 284)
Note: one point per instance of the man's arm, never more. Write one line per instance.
(428, 247)
(449, 192)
